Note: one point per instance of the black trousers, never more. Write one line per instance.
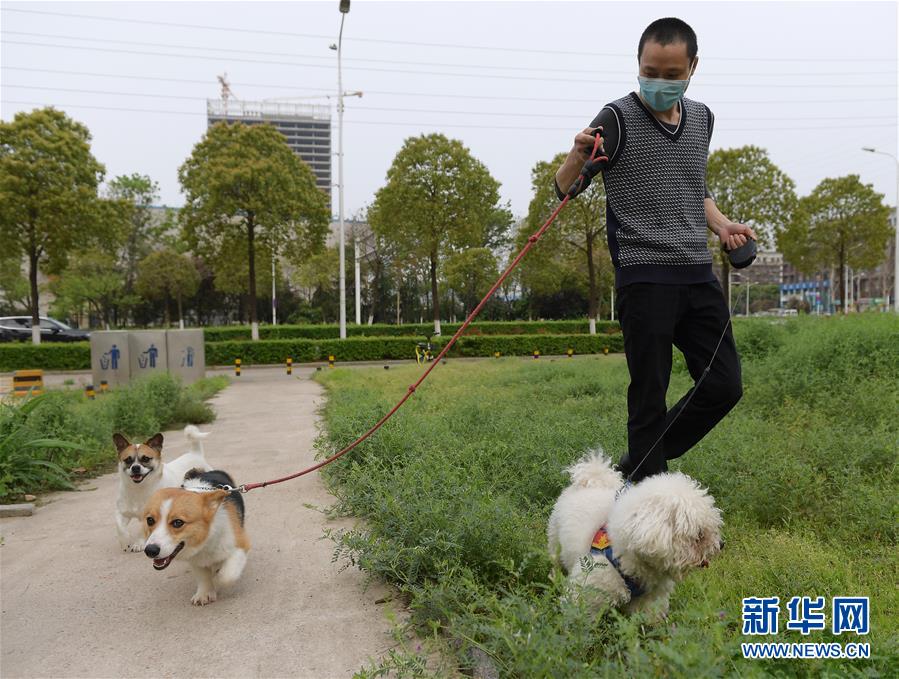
(655, 316)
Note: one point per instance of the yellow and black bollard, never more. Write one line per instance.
(289, 365)
(496, 354)
(605, 350)
(89, 391)
(236, 367)
(104, 386)
(570, 352)
(330, 360)
(536, 353)
(25, 382)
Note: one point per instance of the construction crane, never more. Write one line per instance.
(226, 89)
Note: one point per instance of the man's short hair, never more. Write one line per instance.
(667, 31)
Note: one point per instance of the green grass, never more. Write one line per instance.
(80, 430)
(455, 491)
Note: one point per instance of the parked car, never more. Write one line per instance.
(19, 328)
(14, 329)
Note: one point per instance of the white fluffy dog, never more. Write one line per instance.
(633, 549)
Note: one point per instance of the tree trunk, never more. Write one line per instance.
(35, 308)
(180, 315)
(251, 254)
(843, 295)
(166, 318)
(434, 296)
(397, 299)
(592, 297)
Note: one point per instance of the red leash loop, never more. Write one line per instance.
(531, 241)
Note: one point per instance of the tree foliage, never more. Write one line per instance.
(572, 253)
(48, 192)
(135, 195)
(92, 280)
(165, 275)
(243, 184)
(438, 199)
(471, 273)
(843, 222)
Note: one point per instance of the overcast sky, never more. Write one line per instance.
(812, 82)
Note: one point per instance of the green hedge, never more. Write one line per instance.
(323, 331)
(76, 356)
(377, 348)
(22, 356)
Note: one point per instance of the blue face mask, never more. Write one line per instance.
(661, 94)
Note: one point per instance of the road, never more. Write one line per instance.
(75, 605)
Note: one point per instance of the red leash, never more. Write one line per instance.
(591, 165)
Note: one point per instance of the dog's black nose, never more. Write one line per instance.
(152, 551)
(721, 544)
(135, 469)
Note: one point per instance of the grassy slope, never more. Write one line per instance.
(456, 490)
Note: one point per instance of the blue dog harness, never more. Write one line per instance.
(602, 545)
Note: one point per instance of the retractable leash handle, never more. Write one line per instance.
(744, 255)
(596, 163)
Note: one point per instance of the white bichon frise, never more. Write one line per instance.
(633, 549)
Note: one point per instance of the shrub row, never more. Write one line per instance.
(756, 338)
(325, 331)
(378, 348)
(22, 356)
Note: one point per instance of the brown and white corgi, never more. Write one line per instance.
(202, 523)
(142, 472)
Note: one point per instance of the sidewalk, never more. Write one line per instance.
(75, 605)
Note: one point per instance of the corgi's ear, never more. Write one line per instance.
(120, 442)
(155, 442)
(213, 500)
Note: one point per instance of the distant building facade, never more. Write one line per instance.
(306, 128)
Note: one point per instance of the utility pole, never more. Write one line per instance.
(358, 276)
(344, 10)
(896, 219)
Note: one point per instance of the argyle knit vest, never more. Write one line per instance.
(655, 189)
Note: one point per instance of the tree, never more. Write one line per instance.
(91, 279)
(48, 193)
(437, 197)
(841, 223)
(471, 273)
(136, 194)
(749, 189)
(581, 226)
(244, 184)
(13, 285)
(166, 274)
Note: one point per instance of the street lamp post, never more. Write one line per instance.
(896, 250)
(344, 10)
(358, 278)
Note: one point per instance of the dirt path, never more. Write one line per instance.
(74, 605)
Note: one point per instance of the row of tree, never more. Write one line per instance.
(438, 235)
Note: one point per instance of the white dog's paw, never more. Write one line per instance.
(135, 547)
(203, 598)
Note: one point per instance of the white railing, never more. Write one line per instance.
(234, 108)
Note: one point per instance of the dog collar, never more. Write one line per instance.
(603, 545)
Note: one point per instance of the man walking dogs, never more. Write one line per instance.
(657, 211)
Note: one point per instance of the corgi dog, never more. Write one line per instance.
(203, 524)
(142, 472)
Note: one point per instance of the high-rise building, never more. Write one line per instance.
(307, 128)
